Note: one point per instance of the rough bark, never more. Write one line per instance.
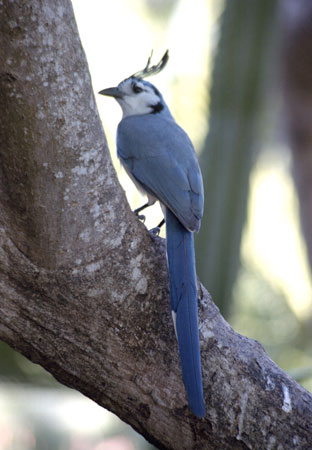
(297, 83)
(83, 285)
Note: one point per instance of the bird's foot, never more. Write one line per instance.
(138, 210)
(155, 231)
(140, 217)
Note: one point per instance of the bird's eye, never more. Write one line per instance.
(136, 89)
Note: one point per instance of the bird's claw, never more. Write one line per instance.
(155, 231)
(140, 217)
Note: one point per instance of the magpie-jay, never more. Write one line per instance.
(159, 157)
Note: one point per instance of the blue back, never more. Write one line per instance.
(160, 155)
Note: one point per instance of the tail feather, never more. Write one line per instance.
(183, 294)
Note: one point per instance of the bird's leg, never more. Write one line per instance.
(155, 231)
(138, 210)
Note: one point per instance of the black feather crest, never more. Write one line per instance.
(152, 70)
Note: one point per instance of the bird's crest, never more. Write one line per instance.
(152, 70)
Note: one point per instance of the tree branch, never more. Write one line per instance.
(84, 286)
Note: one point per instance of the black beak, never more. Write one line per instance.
(112, 92)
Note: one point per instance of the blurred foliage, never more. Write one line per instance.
(17, 368)
(59, 419)
(262, 313)
(160, 9)
(238, 86)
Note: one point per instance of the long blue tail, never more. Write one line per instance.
(183, 294)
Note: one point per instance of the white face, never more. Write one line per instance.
(137, 98)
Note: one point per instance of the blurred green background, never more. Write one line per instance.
(222, 84)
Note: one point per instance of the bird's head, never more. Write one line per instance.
(137, 96)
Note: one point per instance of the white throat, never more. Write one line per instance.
(135, 105)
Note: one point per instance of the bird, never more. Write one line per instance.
(160, 159)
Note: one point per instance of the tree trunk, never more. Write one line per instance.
(84, 286)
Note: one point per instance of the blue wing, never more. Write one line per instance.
(163, 161)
